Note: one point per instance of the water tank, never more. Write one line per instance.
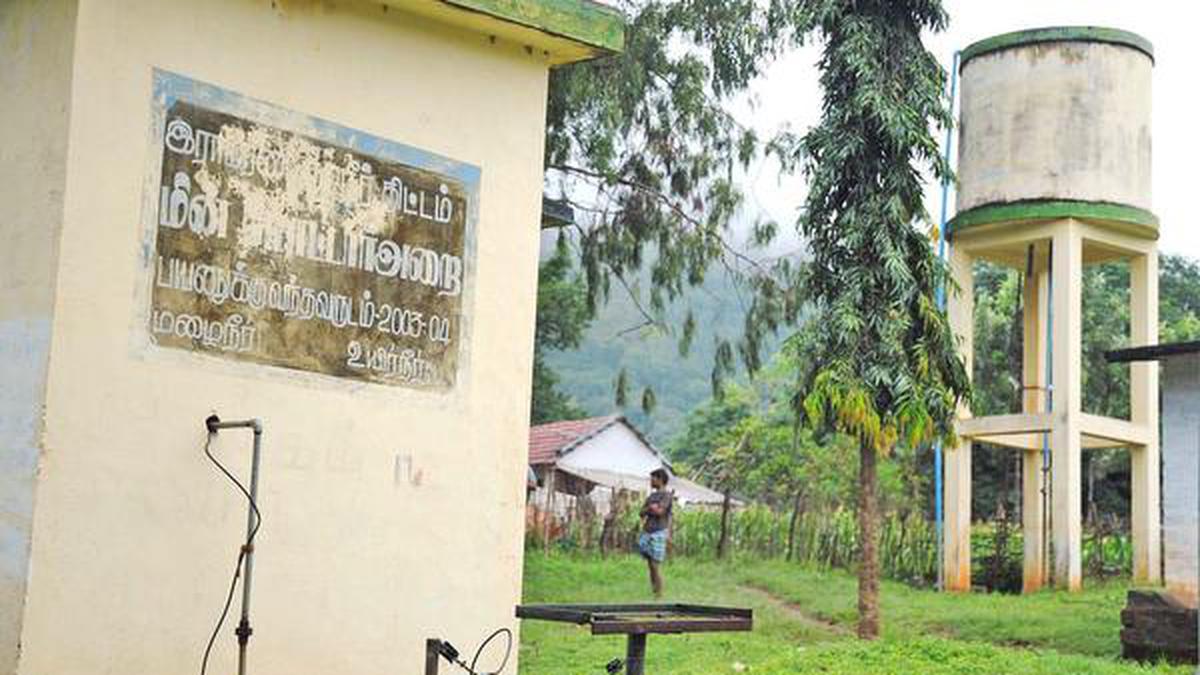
(1056, 116)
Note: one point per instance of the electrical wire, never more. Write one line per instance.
(448, 652)
(241, 559)
(237, 573)
(507, 651)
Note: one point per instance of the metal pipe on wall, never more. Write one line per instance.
(1047, 504)
(244, 630)
(941, 303)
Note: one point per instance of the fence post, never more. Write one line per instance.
(723, 543)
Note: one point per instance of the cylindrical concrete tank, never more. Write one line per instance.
(1056, 115)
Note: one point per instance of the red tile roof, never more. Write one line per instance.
(546, 440)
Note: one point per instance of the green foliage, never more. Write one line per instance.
(558, 649)
(885, 364)
(1179, 299)
(939, 656)
(708, 426)
(826, 472)
(999, 336)
(824, 540)
(1086, 623)
(563, 315)
(999, 347)
(1106, 315)
(998, 340)
(618, 339)
(800, 616)
(829, 539)
(562, 318)
(782, 461)
(643, 145)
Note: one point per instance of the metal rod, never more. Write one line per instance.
(432, 654)
(635, 654)
(244, 630)
(941, 303)
(1047, 476)
(215, 424)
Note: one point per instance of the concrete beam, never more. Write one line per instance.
(956, 557)
(1004, 425)
(1066, 448)
(1127, 245)
(1143, 397)
(1120, 432)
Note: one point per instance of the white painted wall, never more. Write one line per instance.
(616, 449)
(619, 458)
(390, 515)
(36, 48)
(1180, 450)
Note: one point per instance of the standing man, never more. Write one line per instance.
(656, 523)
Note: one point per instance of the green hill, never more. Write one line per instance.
(651, 356)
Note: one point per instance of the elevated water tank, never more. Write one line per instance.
(1055, 119)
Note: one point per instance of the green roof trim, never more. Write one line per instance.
(1131, 218)
(1033, 36)
(583, 21)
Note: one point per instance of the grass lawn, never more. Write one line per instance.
(804, 622)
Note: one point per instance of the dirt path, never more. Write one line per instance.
(794, 611)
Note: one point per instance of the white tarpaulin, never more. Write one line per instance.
(686, 491)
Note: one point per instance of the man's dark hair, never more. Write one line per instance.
(661, 474)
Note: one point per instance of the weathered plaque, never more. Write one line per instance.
(288, 241)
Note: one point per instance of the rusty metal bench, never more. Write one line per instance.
(638, 621)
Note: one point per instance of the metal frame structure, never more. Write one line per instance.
(639, 621)
(243, 631)
(1054, 251)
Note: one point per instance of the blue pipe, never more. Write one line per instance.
(941, 303)
(1046, 468)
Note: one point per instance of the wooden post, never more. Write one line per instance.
(956, 562)
(723, 542)
(548, 513)
(1066, 436)
(1034, 401)
(610, 519)
(1143, 399)
(791, 544)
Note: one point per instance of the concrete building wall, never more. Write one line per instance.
(617, 450)
(1180, 449)
(35, 78)
(1060, 120)
(390, 515)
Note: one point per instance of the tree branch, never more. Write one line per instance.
(666, 200)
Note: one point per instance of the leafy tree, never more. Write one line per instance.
(1179, 299)
(726, 469)
(783, 465)
(562, 318)
(708, 426)
(887, 370)
(644, 147)
(1105, 386)
(999, 341)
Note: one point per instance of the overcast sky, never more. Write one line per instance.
(789, 93)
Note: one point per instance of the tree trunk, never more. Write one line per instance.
(868, 568)
(792, 526)
(723, 542)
